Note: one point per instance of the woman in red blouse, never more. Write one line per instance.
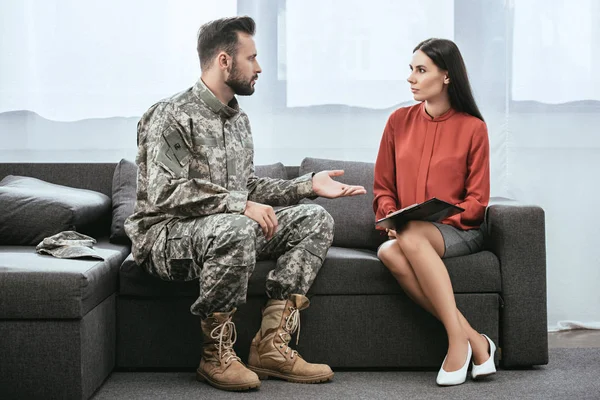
(437, 148)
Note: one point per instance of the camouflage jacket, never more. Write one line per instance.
(195, 158)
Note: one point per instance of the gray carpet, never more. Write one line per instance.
(571, 374)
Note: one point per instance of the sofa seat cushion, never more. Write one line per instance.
(345, 271)
(35, 286)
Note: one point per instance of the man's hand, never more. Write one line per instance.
(326, 187)
(264, 215)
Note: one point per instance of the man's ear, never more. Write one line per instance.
(224, 61)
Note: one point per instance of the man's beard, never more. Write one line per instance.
(237, 83)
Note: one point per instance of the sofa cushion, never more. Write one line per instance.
(344, 272)
(34, 286)
(276, 171)
(354, 217)
(124, 188)
(32, 209)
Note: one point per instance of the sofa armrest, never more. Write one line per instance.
(516, 234)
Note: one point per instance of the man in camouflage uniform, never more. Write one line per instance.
(201, 212)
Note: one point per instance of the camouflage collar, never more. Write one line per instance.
(204, 94)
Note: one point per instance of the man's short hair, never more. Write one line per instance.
(222, 35)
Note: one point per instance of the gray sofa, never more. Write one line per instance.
(66, 324)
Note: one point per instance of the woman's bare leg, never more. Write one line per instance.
(422, 244)
(392, 257)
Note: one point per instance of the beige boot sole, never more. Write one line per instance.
(223, 386)
(267, 373)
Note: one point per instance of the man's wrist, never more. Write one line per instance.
(305, 186)
(237, 202)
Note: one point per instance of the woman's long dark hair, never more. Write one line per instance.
(445, 54)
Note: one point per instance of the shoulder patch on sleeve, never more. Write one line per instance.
(177, 145)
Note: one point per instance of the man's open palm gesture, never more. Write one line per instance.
(326, 187)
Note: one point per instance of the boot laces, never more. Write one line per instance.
(292, 323)
(226, 334)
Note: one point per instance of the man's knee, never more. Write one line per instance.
(233, 234)
(314, 217)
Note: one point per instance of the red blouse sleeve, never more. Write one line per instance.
(384, 188)
(477, 184)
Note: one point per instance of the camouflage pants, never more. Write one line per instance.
(222, 249)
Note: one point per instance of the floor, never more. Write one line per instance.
(574, 338)
(572, 373)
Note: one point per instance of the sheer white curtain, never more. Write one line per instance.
(354, 53)
(71, 59)
(556, 51)
(333, 71)
(554, 146)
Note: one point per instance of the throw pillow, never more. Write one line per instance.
(32, 209)
(124, 189)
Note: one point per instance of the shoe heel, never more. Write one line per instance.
(488, 367)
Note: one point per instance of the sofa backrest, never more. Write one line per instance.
(354, 217)
(292, 171)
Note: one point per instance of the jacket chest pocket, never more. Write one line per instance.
(208, 161)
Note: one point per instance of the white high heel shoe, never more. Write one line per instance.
(455, 377)
(487, 368)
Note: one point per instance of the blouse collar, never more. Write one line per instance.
(451, 111)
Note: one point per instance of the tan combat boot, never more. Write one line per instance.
(219, 366)
(270, 354)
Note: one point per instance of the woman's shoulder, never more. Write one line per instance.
(471, 123)
(470, 119)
